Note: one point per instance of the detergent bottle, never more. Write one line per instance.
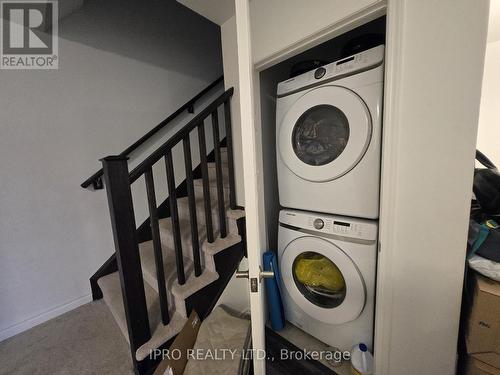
(361, 360)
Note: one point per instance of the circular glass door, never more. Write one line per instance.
(319, 279)
(322, 280)
(320, 135)
(325, 133)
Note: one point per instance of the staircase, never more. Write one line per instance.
(182, 257)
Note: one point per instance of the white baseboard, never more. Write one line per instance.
(43, 317)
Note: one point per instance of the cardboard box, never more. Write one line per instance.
(483, 336)
(185, 340)
(476, 367)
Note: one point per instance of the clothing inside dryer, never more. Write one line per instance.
(320, 135)
(319, 279)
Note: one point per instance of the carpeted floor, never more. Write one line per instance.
(83, 341)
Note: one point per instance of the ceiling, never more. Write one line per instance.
(494, 22)
(217, 11)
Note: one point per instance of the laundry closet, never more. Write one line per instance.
(321, 118)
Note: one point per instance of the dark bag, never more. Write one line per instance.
(486, 185)
(490, 249)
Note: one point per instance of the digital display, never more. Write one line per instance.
(342, 223)
(345, 60)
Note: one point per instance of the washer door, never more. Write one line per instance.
(325, 133)
(322, 280)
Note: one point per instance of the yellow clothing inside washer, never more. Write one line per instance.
(318, 271)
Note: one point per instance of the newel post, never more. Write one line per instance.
(117, 182)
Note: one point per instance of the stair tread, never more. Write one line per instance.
(148, 264)
(200, 202)
(166, 232)
(212, 177)
(111, 289)
(112, 294)
(183, 204)
(160, 335)
(221, 243)
(193, 283)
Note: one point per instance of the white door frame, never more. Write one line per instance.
(252, 167)
(434, 61)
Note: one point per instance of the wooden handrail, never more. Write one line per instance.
(96, 178)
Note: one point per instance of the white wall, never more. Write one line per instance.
(488, 137)
(432, 91)
(123, 68)
(494, 21)
(280, 31)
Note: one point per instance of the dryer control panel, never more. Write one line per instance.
(342, 226)
(345, 67)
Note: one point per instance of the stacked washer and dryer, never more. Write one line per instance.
(329, 128)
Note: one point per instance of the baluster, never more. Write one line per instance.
(121, 210)
(206, 183)
(192, 206)
(230, 160)
(155, 233)
(218, 173)
(174, 215)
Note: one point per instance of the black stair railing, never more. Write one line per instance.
(218, 173)
(192, 205)
(206, 187)
(155, 235)
(127, 250)
(96, 179)
(118, 181)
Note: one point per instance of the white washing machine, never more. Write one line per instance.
(327, 269)
(329, 127)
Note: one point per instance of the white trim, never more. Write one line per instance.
(384, 289)
(43, 317)
(252, 171)
(357, 19)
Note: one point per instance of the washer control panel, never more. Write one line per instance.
(336, 225)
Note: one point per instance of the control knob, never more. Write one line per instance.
(318, 223)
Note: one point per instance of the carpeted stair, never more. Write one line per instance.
(177, 294)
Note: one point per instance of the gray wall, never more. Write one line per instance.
(123, 67)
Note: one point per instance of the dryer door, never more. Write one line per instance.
(325, 133)
(322, 280)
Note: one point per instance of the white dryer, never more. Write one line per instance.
(329, 127)
(327, 269)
